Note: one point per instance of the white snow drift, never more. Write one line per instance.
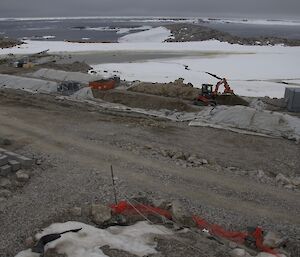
(159, 35)
(136, 239)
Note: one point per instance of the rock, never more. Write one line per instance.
(5, 170)
(193, 158)
(161, 203)
(273, 240)
(296, 181)
(38, 162)
(204, 161)
(261, 174)
(290, 186)
(232, 168)
(22, 176)
(269, 255)
(238, 252)
(164, 153)
(233, 245)
(5, 141)
(76, 211)
(281, 179)
(180, 215)
(179, 156)
(5, 182)
(29, 242)
(100, 214)
(5, 193)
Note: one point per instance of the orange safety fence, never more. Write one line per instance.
(125, 208)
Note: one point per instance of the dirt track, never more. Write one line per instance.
(78, 143)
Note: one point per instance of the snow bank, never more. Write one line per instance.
(155, 35)
(253, 75)
(204, 46)
(249, 119)
(27, 84)
(136, 239)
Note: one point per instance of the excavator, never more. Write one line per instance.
(208, 96)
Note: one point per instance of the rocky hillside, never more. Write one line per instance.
(192, 32)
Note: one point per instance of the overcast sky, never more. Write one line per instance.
(226, 8)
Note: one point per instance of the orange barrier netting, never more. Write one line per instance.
(125, 208)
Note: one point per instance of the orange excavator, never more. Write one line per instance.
(209, 95)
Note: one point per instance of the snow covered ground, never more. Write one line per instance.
(251, 70)
(158, 35)
(135, 239)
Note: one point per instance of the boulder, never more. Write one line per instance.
(100, 214)
(180, 215)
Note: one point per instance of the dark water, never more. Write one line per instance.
(76, 29)
(70, 29)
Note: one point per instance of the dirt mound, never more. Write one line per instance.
(74, 67)
(139, 100)
(231, 100)
(173, 89)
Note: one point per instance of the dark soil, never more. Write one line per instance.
(145, 101)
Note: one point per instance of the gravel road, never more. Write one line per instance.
(78, 143)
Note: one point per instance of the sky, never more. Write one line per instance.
(217, 8)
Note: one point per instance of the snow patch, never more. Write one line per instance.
(136, 239)
(155, 35)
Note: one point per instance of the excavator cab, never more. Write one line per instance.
(207, 97)
(207, 90)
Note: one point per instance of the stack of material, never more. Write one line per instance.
(58, 75)
(292, 97)
(12, 162)
(27, 84)
(249, 120)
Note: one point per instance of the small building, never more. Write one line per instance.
(292, 98)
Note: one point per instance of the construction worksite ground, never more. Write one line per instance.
(228, 178)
